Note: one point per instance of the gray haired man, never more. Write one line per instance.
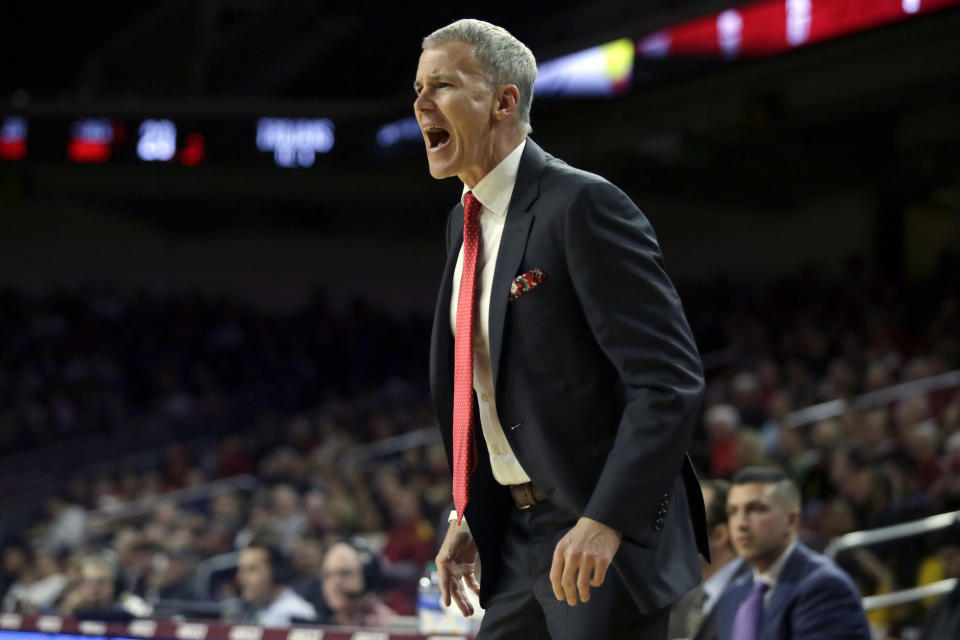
(564, 374)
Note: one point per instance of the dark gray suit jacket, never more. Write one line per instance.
(597, 378)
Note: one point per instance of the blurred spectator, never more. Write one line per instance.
(943, 621)
(410, 545)
(307, 564)
(692, 617)
(97, 595)
(169, 576)
(67, 526)
(38, 584)
(793, 593)
(264, 575)
(346, 592)
(722, 423)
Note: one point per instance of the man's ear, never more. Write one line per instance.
(793, 518)
(720, 535)
(508, 97)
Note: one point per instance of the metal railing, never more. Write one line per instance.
(873, 399)
(893, 532)
(144, 506)
(906, 596)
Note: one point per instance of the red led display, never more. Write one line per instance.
(768, 27)
(13, 149)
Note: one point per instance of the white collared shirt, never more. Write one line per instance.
(282, 611)
(772, 575)
(714, 586)
(494, 192)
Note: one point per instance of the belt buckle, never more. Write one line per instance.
(528, 497)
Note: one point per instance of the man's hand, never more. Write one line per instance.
(582, 558)
(458, 558)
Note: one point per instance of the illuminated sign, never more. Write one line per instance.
(13, 138)
(90, 140)
(158, 140)
(598, 71)
(294, 142)
(769, 27)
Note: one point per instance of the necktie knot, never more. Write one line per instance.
(471, 209)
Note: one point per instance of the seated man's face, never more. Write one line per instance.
(342, 575)
(254, 576)
(761, 527)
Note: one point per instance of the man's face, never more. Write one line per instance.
(454, 107)
(97, 585)
(761, 527)
(342, 575)
(254, 577)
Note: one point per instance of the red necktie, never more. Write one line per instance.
(464, 447)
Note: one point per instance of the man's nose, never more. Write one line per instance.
(422, 102)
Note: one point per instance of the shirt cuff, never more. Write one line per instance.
(453, 518)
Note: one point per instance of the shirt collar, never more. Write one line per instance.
(495, 189)
(772, 575)
(715, 584)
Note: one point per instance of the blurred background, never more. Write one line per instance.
(220, 247)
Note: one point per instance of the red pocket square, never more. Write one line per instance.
(525, 282)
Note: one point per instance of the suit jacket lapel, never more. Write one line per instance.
(512, 244)
(441, 361)
(781, 593)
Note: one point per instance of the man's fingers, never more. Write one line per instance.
(461, 599)
(556, 571)
(443, 576)
(583, 579)
(569, 578)
(472, 583)
(599, 573)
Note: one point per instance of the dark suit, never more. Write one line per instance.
(813, 600)
(597, 378)
(707, 627)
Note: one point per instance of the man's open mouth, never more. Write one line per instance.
(437, 137)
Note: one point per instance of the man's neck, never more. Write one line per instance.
(272, 596)
(767, 563)
(718, 560)
(502, 144)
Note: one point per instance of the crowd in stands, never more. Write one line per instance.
(86, 363)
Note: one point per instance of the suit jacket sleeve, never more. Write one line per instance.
(636, 317)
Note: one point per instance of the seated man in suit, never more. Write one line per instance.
(792, 593)
(692, 617)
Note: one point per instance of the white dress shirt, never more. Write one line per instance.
(772, 575)
(282, 611)
(494, 192)
(715, 585)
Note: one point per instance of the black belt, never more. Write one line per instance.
(526, 495)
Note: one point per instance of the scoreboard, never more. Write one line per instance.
(221, 135)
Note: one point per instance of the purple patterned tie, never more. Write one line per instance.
(746, 626)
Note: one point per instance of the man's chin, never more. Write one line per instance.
(439, 172)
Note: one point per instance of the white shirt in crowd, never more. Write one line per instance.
(287, 606)
(714, 586)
